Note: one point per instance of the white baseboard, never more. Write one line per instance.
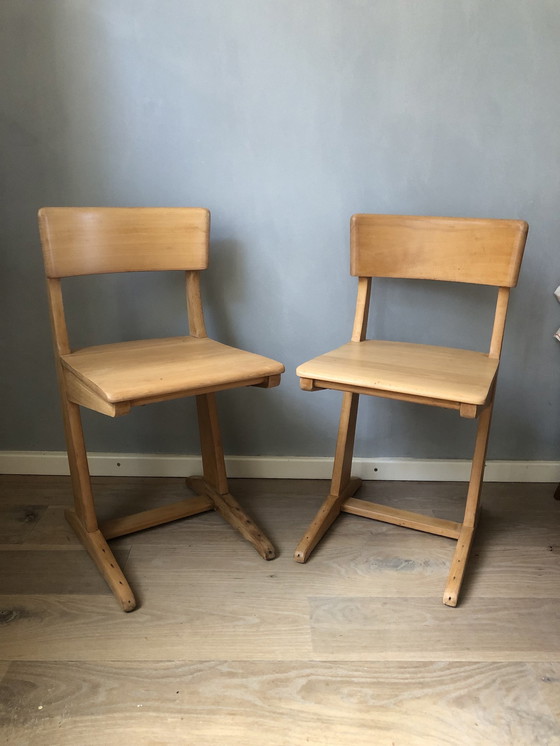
(285, 467)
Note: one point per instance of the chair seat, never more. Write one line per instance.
(128, 371)
(443, 373)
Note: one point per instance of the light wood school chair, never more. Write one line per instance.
(467, 250)
(113, 378)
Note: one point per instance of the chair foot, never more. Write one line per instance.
(103, 557)
(325, 517)
(458, 565)
(228, 507)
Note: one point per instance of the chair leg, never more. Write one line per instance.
(214, 484)
(83, 518)
(464, 543)
(342, 486)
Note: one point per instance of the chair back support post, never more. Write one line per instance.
(359, 331)
(197, 327)
(499, 323)
(58, 319)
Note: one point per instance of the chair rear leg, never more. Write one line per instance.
(464, 543)
(214, 484)
(342, 486)
(212, 451)
(83, 518)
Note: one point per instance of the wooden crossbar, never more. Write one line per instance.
(128, 524)
(404, 518)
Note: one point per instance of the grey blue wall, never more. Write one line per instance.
(283, 117)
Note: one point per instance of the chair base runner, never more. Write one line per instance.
(464, 536)
(326, 516)
(346, 503)
(228, 507)
(99, 551)
(95, 542)
(458, 565)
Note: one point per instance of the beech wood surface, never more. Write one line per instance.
(481, 251)
(404, 518)
(149, 518)
(404, 368)
(93, 240)
(141, 369)
(101, 554)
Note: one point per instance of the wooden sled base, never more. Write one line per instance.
(207, 498)
(346, 503)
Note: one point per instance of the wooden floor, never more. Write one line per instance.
(353, 648)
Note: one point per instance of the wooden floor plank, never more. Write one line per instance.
(43, 571)
(4, 665)
(17, 522)
(548, 679)
(364, 628)
(286, 702)
(171, 623)
(389, 565)
(352, 648)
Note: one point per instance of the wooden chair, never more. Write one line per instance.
(487, 252)
(113, 378)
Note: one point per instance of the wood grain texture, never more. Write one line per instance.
(481, 251)
(149, 518)
(105, 561)
(326, 516)
(17, 522)
(174, 621)
(135, 370)
(364, 628)
(353, 648)
(404, 368)
(250, 703)
(31, 571)
(4, 665)
(230, 510)
(93, 240)
(404, 518)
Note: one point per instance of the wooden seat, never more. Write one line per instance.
(130, 372)
(113, 378)
(481, 251)
(450, 375)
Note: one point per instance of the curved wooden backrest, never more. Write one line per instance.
(98, 240)
(481, 251)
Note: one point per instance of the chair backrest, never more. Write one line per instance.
(98, 240)
(473, 250)
(481, 251)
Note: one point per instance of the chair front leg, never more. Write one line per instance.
(214, 484)
(83, 519)
(212, 451)
(342, 486)
(466, 537)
